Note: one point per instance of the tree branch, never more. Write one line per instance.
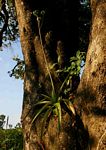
(5, 17)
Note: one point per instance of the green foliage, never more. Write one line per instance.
(18, 125)
(11, 139)
(75, 64)
(73, 69)
(84, 28)
(18, 70)
(52, 102)
(10, 33)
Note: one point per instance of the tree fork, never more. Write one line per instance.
(34, 63)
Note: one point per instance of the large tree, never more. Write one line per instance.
(59, 28)
(49, 35)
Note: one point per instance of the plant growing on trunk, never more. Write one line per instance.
(51, 103)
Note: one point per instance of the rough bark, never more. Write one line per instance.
(71, 135)
(92, 88)
(31, 74)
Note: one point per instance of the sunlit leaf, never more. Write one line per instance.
(70, 106)
(39, 112)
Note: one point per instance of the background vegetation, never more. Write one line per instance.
(10, 138)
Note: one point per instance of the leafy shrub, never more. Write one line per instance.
(11, 139)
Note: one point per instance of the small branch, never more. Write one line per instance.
(13, 70)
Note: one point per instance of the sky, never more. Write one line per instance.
(11, 89)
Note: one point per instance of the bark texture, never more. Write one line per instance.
(92, 88)
(31, 74)
(58, 22)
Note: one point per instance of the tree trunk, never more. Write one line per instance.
(92, 88)
(24, 17)
(65, 32)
